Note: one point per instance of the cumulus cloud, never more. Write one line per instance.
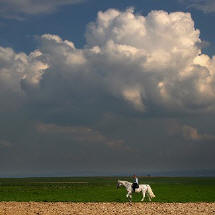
(95, 98)
(15, 69)
(16, 9)
(161, 66)
(130, 62)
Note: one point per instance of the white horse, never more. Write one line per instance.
(144, 188)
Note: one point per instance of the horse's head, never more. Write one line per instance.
(118, 184)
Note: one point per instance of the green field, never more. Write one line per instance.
(103, 189)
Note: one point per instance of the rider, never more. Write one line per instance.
(135, 183)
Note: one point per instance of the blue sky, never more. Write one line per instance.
(91, 87)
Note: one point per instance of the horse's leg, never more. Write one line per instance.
(149, 197)
(147, 193)
(129, 196)
(143, 192)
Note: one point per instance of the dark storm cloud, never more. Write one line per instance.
(108, 105)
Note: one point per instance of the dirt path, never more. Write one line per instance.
(59, 208)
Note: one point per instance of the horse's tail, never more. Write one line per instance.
(151, 194)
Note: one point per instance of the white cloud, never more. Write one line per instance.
(16, 67)
(140, 62)
(16, 9)
(159, 55)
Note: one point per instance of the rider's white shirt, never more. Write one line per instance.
(136, 180)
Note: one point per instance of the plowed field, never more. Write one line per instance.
(60, 208)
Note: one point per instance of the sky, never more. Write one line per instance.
(118, 87)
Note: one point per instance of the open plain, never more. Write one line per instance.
(98, 195)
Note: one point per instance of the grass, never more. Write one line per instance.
(103, 189)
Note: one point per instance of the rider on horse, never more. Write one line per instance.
(135, 183)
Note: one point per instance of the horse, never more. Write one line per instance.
(144, 188)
